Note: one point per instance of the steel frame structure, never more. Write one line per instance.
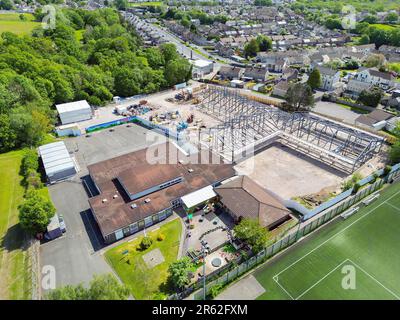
(245, 122)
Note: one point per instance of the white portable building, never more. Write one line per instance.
(74, 111)
(57, 161)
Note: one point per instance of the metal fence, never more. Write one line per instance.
(287, 241)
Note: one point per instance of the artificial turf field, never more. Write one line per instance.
(366, 244)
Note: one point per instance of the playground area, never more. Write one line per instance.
(356, 258)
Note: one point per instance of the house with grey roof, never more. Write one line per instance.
(330, 78)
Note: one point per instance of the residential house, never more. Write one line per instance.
(355, 87)
(290, 74)
(375, 77)
(330, 78)
(375, 120)
(257, 74)
(228, 72)
(280, 89)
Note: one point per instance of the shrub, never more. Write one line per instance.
(161, 237)
(215, 290)
(146, 243)
(33, 180)
(29, 162)
(387, 170)
(356, 187)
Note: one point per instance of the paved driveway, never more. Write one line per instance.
(336, 111)
(247, 288)
(74, 255)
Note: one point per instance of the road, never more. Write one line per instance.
(181, 47)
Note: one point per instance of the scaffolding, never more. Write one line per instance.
(248, 126)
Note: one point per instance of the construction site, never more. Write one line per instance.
(291, 154)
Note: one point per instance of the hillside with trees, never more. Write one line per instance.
(55, 66)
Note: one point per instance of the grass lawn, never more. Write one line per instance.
(384, 27)
(146, 4)
(366, 244)
(11, 22)
(147, 283)
(355, 109)
(14, 262)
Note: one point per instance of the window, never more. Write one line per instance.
(162, 216)
(134, 228)
(148, 221)
(127, 231)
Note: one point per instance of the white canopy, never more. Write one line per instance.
(198, 197)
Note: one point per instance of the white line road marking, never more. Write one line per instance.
(376, 280)
(320, 280)
(339, 232)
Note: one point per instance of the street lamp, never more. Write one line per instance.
(203, 253)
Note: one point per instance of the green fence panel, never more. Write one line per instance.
(284, 242)
(307, 229)
(269, 251)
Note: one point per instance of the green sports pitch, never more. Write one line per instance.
(353, 259)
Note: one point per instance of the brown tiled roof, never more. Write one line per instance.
(138, 174)
(245, 198)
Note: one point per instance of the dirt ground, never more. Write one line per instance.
(289, 173)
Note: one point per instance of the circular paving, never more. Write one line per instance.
(216, 262)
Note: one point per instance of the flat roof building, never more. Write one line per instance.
(57, 161)
(134, 193)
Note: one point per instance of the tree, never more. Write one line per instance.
(299, 97)
(375, 61)
(370, 19)
(177, 71)
(103, 287)
(179, 272)
(35, 213)
(364, 39)
(333, 23)
(251, 232)
(251, 48)
(6, 4)
(185, 21)
(392, 17)
(7, 135)
(314, 80)
(351, 64)
(169, 52)
(121, 4)
(264, 43)
(263, 3)
(394, 153)
(371, 97)
(396, 130)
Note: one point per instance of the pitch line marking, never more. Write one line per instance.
(323, 278)
(376, 280)
(393, 206)
(339, 232)
(277, 282)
